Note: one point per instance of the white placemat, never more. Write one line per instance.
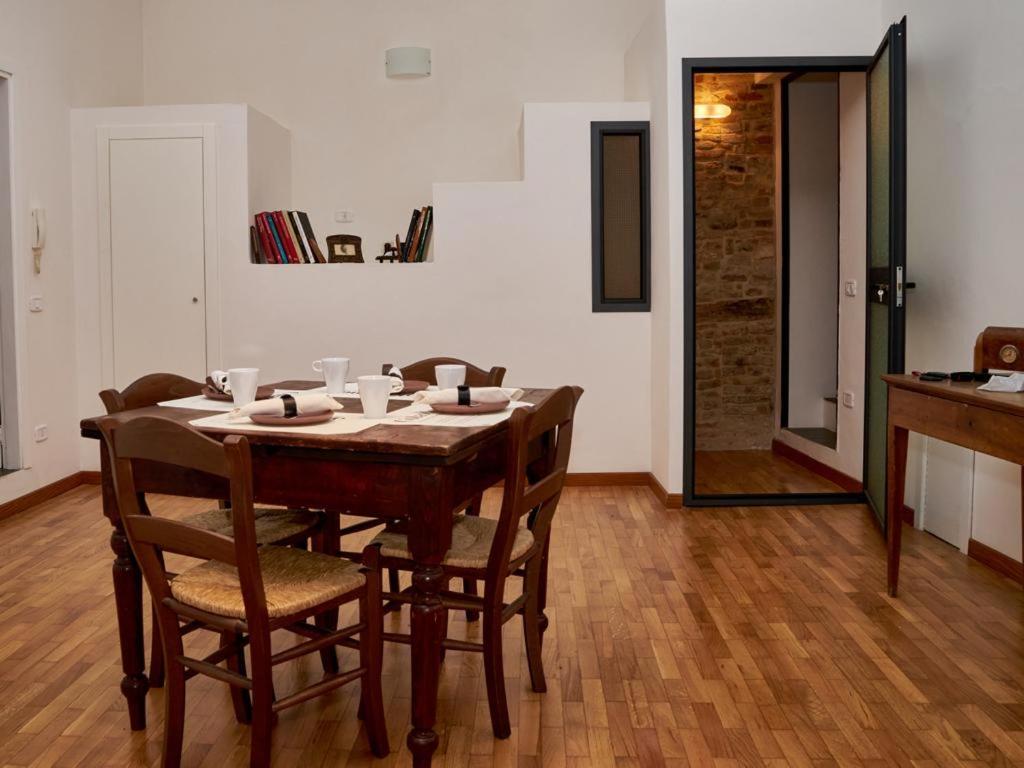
(198, 403)
(422, 415)
(341, 424)
(351, 391)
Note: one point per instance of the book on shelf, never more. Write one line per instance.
(428, 225)
(413, 221)
(256, 254)
(307, 232)
(284, 237)
(266, 240)
(412, 244)
(300, 249)
(282, 254)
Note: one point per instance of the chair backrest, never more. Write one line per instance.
(540, 439)
(151, 389)
(156, 440)
(423, 370)
(999, 349)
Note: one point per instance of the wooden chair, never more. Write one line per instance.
(423, 370)
(273, 526)
(241, 591)
(493, 550)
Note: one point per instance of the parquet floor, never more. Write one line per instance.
(758, 472)
(727, 637)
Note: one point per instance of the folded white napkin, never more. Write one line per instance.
(274, 406)
(219, 381)
(1012, 383)
(476, 395)
(399, 380)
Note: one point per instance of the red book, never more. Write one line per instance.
(269, 249)
(286, 239)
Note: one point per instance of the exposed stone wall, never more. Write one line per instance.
(736, 266)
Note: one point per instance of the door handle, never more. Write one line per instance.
(880, 288)
(195, 299)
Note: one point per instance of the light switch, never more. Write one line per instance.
(850, 287)
(35, 303)
(848, 399)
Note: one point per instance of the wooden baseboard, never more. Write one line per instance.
(47, 492)
(668, 500)
(90, 477)
(845, 482)
(995, 560)
(908, 514)
(607, 478)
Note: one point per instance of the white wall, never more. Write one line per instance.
(62, 54)
(647, 74)
(375, 145)
(966, 99)
(813, 250)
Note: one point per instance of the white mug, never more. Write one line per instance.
(243, 382)
(374, 391)
(450, 376)
(335, 371)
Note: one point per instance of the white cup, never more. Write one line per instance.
(335, 371)
(243, 382)
(450, 376)
(374, 391)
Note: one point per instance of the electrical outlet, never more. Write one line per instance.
(850, 287)
(848, 399)
(344, 217)
(41, 432)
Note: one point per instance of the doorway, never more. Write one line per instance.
(781, 404)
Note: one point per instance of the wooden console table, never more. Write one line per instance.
(988, 422)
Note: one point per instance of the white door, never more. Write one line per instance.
(157, 257)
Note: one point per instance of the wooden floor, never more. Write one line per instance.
(755, 472)
(724, 637)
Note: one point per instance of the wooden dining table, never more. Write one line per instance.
(415, 472)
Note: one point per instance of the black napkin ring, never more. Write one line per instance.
(290, 408)
(464, 394)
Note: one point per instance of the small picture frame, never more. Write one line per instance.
(344, 249)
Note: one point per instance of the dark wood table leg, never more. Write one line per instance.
(430, 535)
(427, 627)
(896, 473)
(1022, 522)
(128, 599)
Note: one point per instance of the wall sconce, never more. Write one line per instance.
(407, 62)
(711, 111)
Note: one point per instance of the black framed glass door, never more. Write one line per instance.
(887, 247)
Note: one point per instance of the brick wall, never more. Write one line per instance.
(736, 266)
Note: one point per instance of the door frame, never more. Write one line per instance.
(691, 67)
(11, 321)
(105, 134)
